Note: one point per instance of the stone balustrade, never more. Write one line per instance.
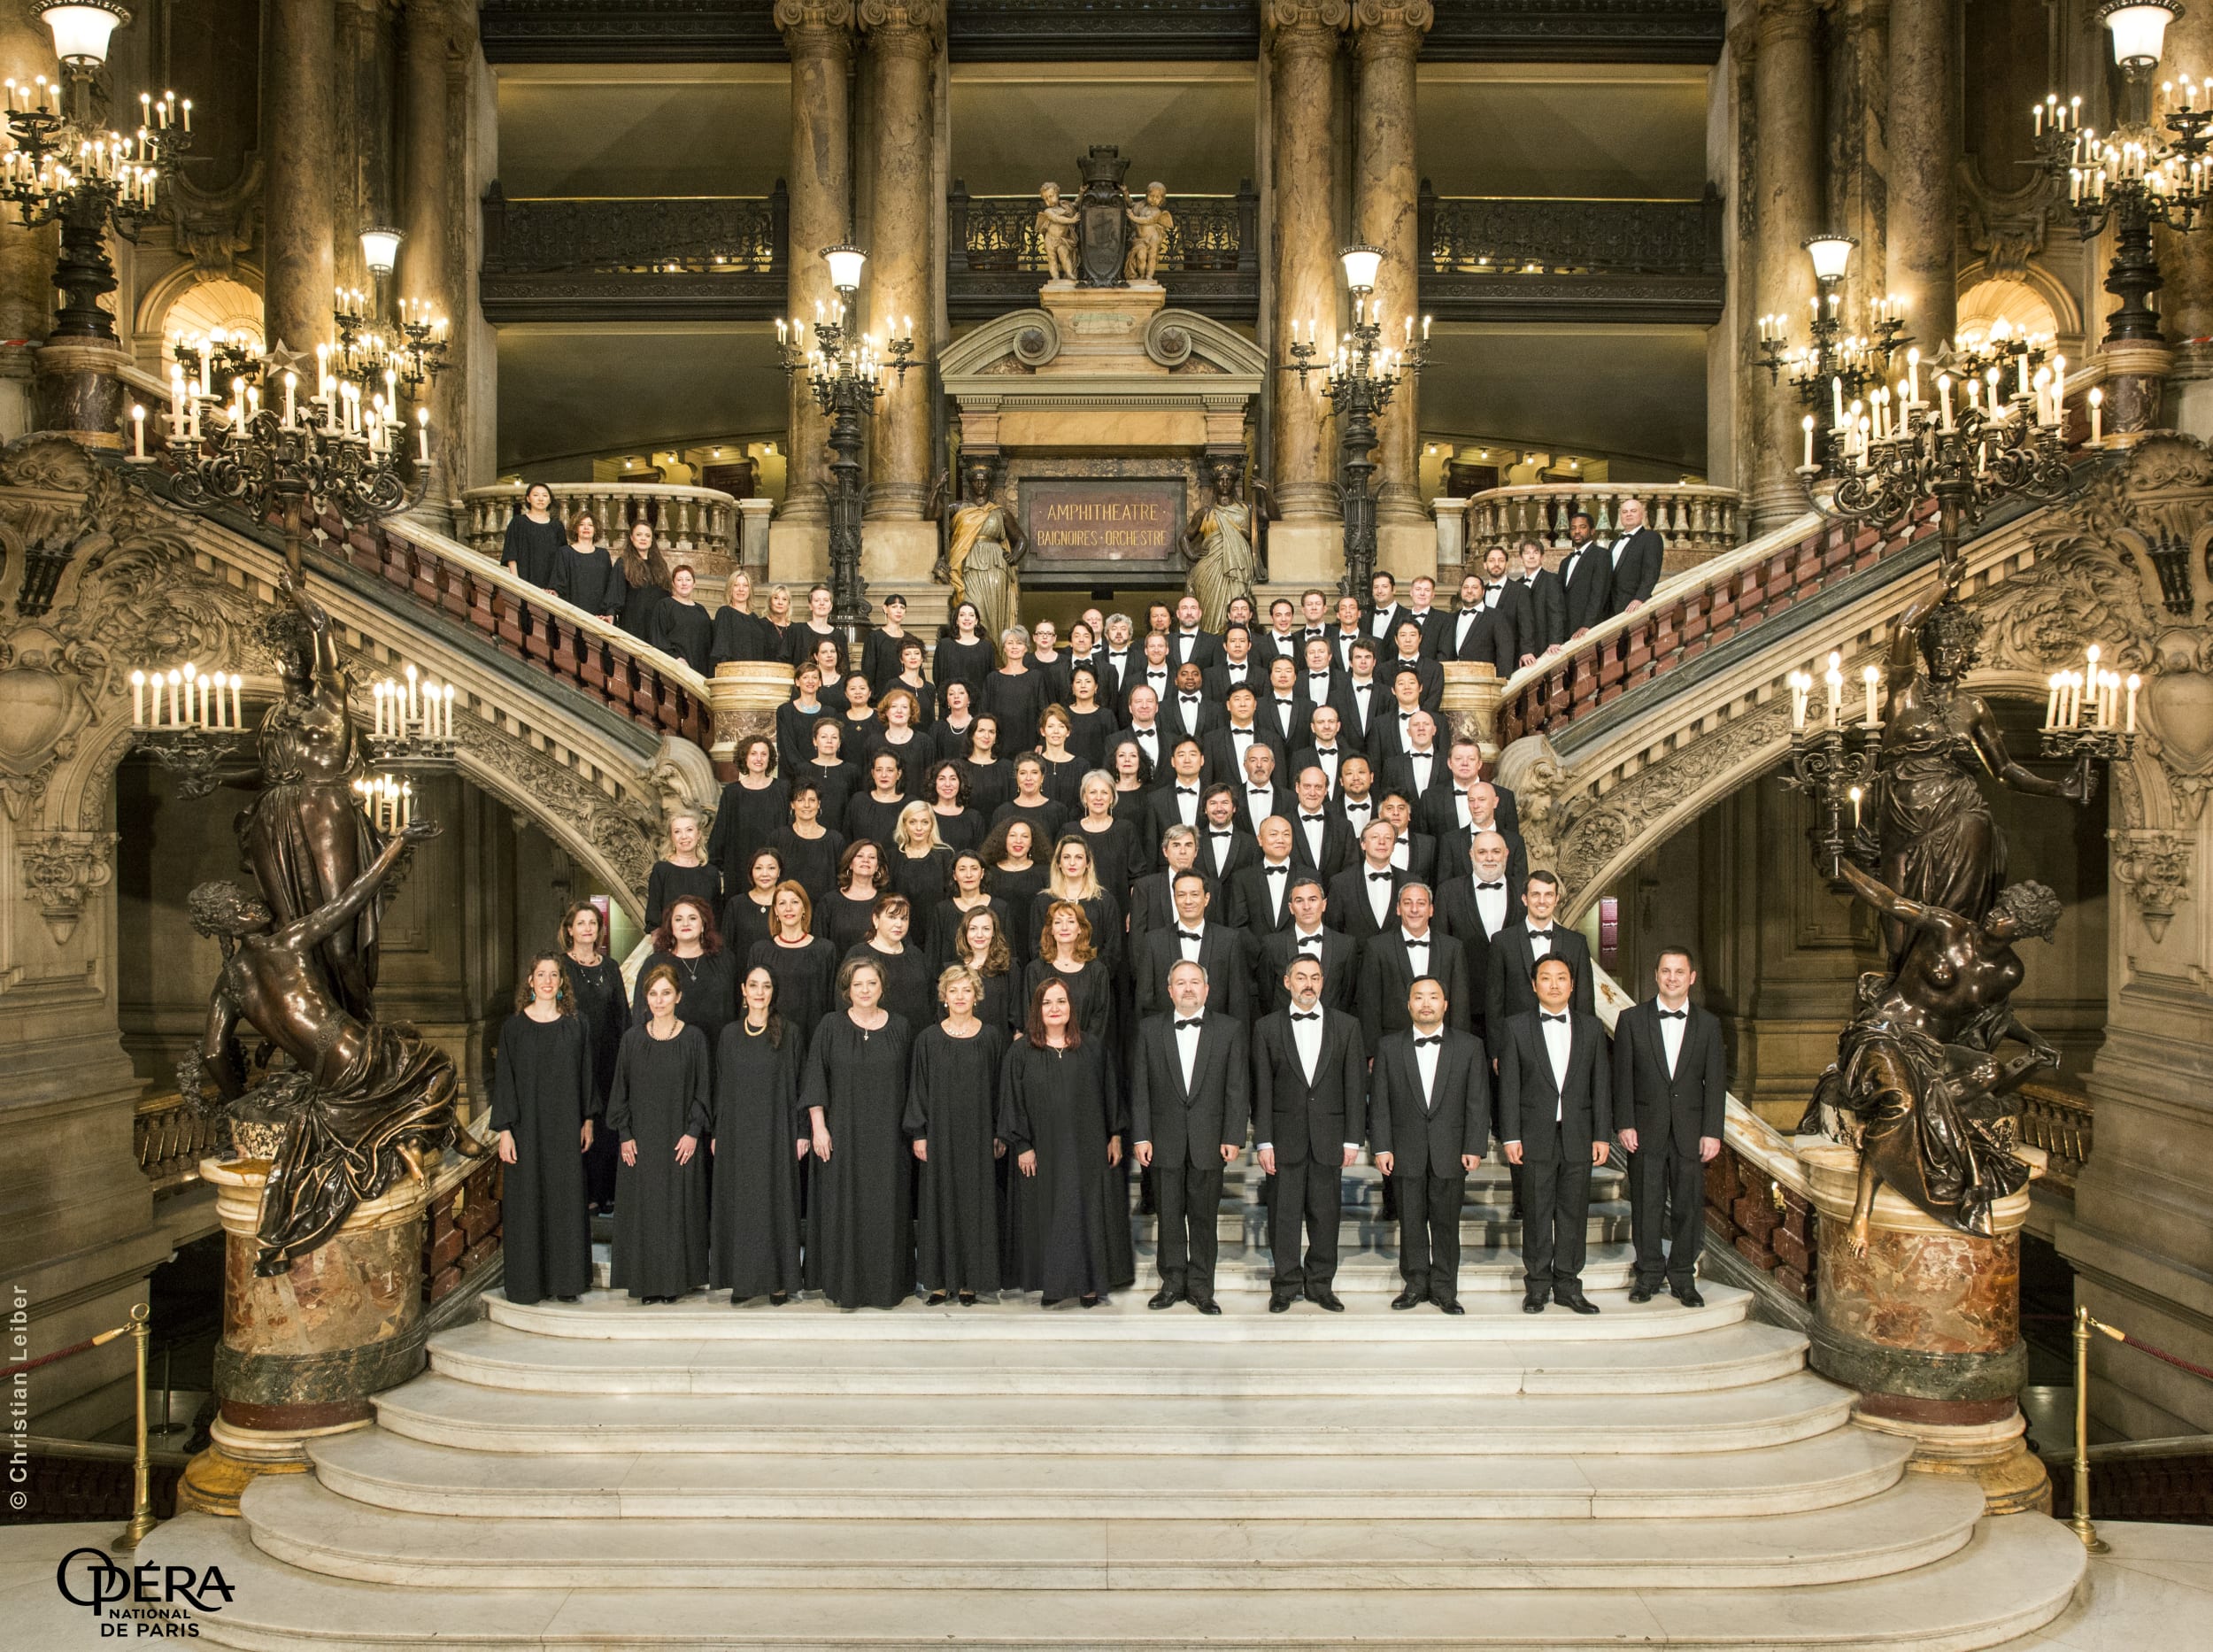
(697, 528)
(1698, 523)
(171, 1137)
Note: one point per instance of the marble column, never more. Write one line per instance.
(1858, 161)
(298, 108)
(27, 256)
(1302, 43)
(1386, 40)
(425, 274)
(1785, 202)
(901, 51)
(818, 34)
(1922, 128)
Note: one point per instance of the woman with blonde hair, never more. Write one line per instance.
(1071, 877)
(740, 636)
(683, 870)
(920, 860)
(952, 1117)
(899, 714)
(778, 620)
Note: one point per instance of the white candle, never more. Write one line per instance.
(237, 707)
(407, 716)
(1855, 808)
(1834, 677)
(1870, 677)
(176, 700)
(138, 696)
(1799, 685)
(2097, 415)
(1913, 377)
(2134, 683)
(2051, 701)
(1809, 422)
(138, 431)
(423, 436)
(407, 803)
(291, 383)
(1944, 396)
(377, 696)
(1836, 398)
(191, 692)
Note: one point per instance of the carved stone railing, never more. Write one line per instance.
(696, 526)
(1210, 263)
(602, 258)
(171, 1137)
(1487, 257)
(1694, 613)
(2059, 1120)
(1698, 522)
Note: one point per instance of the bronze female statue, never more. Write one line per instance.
(306, 837)
(1918, 1077)
(1937, 841)
(983, 547)
(1219, 546)
(365, 1097)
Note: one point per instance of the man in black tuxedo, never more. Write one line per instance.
(1240, 665)
(1120, 659)
(1259, 890)
(1260, 794)
(1153, 897)
(1391, 962)
(1384, 611)
(1350, 629)
(1418, 770)
(1485, 627)
(1637, 553)
(1416, 853)
(1188, 645)
(1180, 801)
(1152, 670)
(1548, 598)
(1364, 895)
(1308, 936)
(1224, 845)
(1476, 909)
(1282, 708)
(1671, 1084)
(1143, 724)
(1309, 1111)
(1356, 802)
(1586, 575)
(1437, 625)
(1281, 640)
(1363, 698)
(1226, 744)
(1430, 1126)
(1466, 805)
(1314, 617)
(1187, 711)
(1409, 661)
(1223, 952)
(1319, 674)
(1189, 1092)
(1320, 839)
(1556, 1117)
(1515, 954)
(1324, 749)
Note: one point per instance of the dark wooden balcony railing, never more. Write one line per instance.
(1488, 257)
(994, 264)
(607, 258)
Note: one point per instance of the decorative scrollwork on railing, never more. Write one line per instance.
(1481, 235)
(999, 232)
(683, 235)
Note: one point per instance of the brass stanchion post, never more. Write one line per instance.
(2079, 1520)
(143, 1519)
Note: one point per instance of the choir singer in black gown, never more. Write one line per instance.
(1064, 1125)
(860, 1241)
(953, 1115)
(758, 1146)
(659, 1109)
(543, 1101)
(595, 989)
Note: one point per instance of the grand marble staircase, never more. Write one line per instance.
(604, 1474)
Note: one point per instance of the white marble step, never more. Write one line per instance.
(375, 1467)
(438, 1409)
(1482, 1223)
(498, 1356)
(2014, 1576)
(1916, 1521)
(1367, 1321)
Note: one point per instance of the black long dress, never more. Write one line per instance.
(1019, 889)
(706, 991)
(740, 636)
(1114, 858)
(662, 1092)
(640, 603)
(953, 1105)
(595, 582)
(744, 822)
(803, 639)
(964, 830)
(1017, 700)
(805, 978)
(950, 918)
(669, 882)
(1089, 731)
(860, 1241)
(867, 816)
(968, 662)
(834, 784)
(910, 986)
(1064, 782)
(1060, 1103)
(810, 862)
(685, 631)
(757, 1132)
(597, 992)
(1092, 996)
(989, 783)
(1045, 818)
(538, 552)
(843, 921)
(915, 754)
(922, 879)
(543, 1091)
(996, 1006)
(949, 741)
(795, 734)
(745, 921)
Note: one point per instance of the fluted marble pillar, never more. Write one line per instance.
(1786, 197)
(902, 50)
(424, 275)
(2186, 300)
(1859, 194)
(27, 256)
(1387, 38)
(1302, 43)
(818, 34)
(1924, 200)
(299, 105)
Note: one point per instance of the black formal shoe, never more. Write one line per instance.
(1640, 1291)
(1409, 1297)
(564, 1299)
(1279, 1304)
(1532, 1303)
(1450, 1307)
(1328, 1300)
(1207, 1307)
(936, 1299)
(1689, 1297)
(967, 1298)
(1575, 1302)
(777, 1299)
(1094, 1302)
(1167, 1296)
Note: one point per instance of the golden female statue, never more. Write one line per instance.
(1218, 545)
(983, 547)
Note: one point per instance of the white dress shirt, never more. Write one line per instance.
(1402, 855)
(1306, 942)
(1380, 891)
(1259, 803)
(1419, 949)
(1325, 760)
(1671, 1026)
(1181, 645)
(1306, 1035)
(1318, 687)
(1148, 738)
(1423, 764)
(1539, 941)
(1493, 592)
(1286, 713)
(1558, 1043)
(1276, 876)
(1190, 941)
(1312, 828)
(1383, 622)
(1187, 1049)
(1187, 804)
(1462, 622)
(1491, 906)
(1241, 738)
(1425, 1063)
(1360, 813)
(1156, 678)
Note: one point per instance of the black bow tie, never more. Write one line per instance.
(1306, 1014)
(1190, 699)
(1187, 791)
(1540, 935)
(1672, 1014)
(1183, 1026)
(1416, 940)
(1262, 792)
(1219, 832)
(1312, 817)
(1187, 935)
(1313, 941)
(1422, 1044)
(1379, 877)
(1497, 885)
(1275, 871)
(1325, 751)
(1562, 1020)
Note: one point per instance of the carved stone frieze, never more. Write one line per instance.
(622, 832)
(2155, 867)
(61, 871)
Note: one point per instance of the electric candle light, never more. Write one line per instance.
(2097, 415)
(1834, 678)
(138, 678)
(2134, 683)
(1855, 795)
(1802, 685)
(2051, 701)
(138, 430)
(1808, 423)
(1944, 398)
(237, 705)
(176, 698)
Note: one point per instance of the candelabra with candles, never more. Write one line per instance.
(412, 355)
(217, 357)
(1833, 761)
(411, 723)
(1836, 362)
(2091, 713)
(192, 722)
(1360, 375)
(59, 167)
(845, 369)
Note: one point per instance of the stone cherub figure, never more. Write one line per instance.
(1056, 234)
(1150, 220)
